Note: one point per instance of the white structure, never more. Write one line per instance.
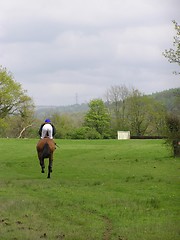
(123, 135)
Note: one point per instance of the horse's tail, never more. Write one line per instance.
(46, 151)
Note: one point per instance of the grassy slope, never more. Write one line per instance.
(105, 189)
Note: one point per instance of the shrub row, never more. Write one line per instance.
(148, 137)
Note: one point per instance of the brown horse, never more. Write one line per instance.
(45, 149)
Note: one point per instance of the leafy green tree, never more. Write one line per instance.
(12, 97)
(144, 115)
(136, 109)
(3, 127)
(63, 125)
(157, 116)
(173, 55)
(98, 117)
(14, 101)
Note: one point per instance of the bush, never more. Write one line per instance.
(85, 133)
(93, 134)
(173, 133)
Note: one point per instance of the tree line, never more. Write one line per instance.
(123, 108)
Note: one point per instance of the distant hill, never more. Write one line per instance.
(169, 98)
(42, 111)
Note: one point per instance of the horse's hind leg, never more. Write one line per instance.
(41, 161)
(42, 165)
(50, 167)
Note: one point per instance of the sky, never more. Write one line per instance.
(65, 52)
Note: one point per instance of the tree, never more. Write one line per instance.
(144, 115)
(115, 98)
(173, 133)
(173, 55)
(136, 113)
(12, 97)
(63, 124)
(157, 116)
(98, 117)
(14, 103)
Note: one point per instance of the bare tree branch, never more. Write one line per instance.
(24, 129)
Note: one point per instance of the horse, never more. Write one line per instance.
(45, 149)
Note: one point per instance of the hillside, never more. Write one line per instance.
(41, 111)
(169, 98)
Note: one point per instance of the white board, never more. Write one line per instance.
(123, 135)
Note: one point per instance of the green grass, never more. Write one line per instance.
(99, 189)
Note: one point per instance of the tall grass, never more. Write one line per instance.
(99, 189)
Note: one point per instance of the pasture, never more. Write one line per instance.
(99, 190)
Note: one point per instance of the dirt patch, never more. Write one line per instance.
(108, 228)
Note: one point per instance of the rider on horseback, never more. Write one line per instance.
(47, 129)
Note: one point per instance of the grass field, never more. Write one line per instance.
(99, 190)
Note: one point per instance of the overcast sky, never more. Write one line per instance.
(71, 51)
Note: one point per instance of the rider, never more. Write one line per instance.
(47, 129)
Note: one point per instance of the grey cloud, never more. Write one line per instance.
(67, 47)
